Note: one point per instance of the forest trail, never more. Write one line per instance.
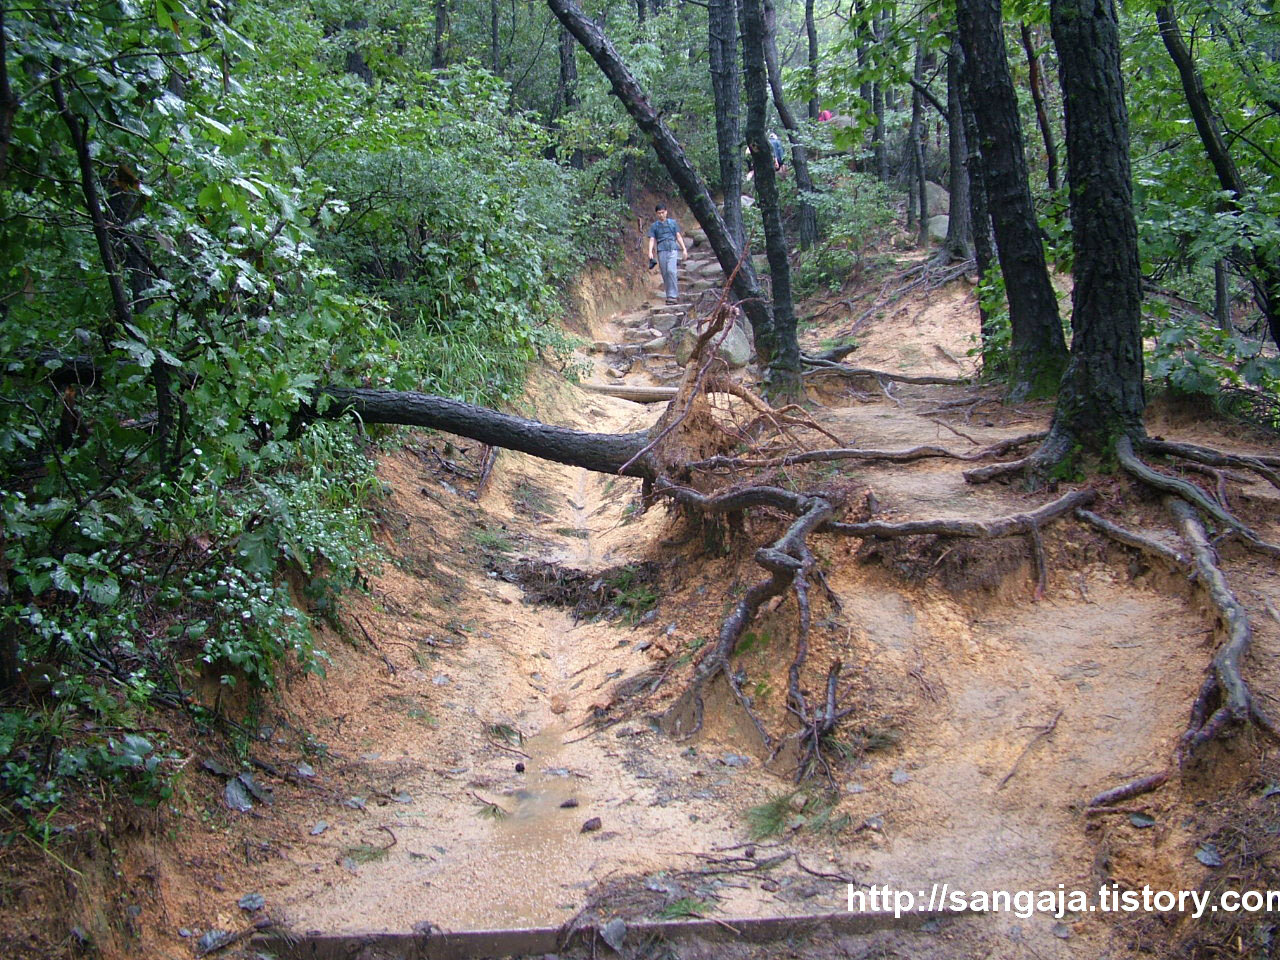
(985, 717)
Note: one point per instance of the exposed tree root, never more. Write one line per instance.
(1265, 466)
(851, 453)
(1135, 540)
(1224, 701)
(841, 370)
(995, 528)
(1191, 494)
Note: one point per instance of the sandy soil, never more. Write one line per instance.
(999, 714)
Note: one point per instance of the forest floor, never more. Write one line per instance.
(482, 753)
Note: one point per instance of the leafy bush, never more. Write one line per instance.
(853, 210)
(1193, 357)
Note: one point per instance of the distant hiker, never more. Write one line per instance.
(666, 243)
(779, 159)
(826, 115)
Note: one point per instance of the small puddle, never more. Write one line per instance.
(540, 813)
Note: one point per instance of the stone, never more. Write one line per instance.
(938, 199)
(615, 373)
(734, 349)
(938, 227)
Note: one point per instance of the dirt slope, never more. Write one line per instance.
(984, 719)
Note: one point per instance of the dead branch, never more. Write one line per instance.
(1224, 701)
(1135, 540)
(1041, 734)
(1127, 791)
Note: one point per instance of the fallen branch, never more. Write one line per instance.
(1127, 791)
(1041, 734)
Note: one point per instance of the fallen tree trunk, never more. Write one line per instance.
(601, 452)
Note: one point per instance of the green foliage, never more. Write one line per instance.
(205, 218)
(1195, 358)
(853, 212)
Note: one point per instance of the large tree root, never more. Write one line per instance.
(907, 455)
(823, 367)
(1192, 494)
(787, 557)
(1224, 701)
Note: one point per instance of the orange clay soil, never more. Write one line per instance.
(985, 719)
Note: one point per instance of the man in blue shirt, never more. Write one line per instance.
(666, 244)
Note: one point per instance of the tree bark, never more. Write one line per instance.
(983, 250)
(495, 46)
(439, 50)
(784, 369)
(918, 179)
(569, 85)
(1264, 269)
(811, 32)
(1036, 82)
(1038, 352)
(806, 217)
(722, 50)
(1101, 398)
(958, 244)
(775, 342)
(601, 452)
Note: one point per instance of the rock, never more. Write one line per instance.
(600, 346)
(252, 902)
(614, 933)
(211, 940)
(734, 349)
(320, 827)
(615, 373)
(937, 198)
(592, 825)
(569, 804)
(938, 227)
(235, 796)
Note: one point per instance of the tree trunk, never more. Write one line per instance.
(495, 46)
(601, 452)
(1264, 268)
(958, 244)
(784, 372)
(640, 10)
(722, 49)
(439, 51)
(1036, 82)
(1038, 352)
(775, 344)
(983, 251)
(569, 85)
(811, 31)
(1221, 296)
(918, 179)
(879, 149)
(807, 217)
(1101, 397)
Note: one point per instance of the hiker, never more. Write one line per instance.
(666, 244)
(779, 159)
